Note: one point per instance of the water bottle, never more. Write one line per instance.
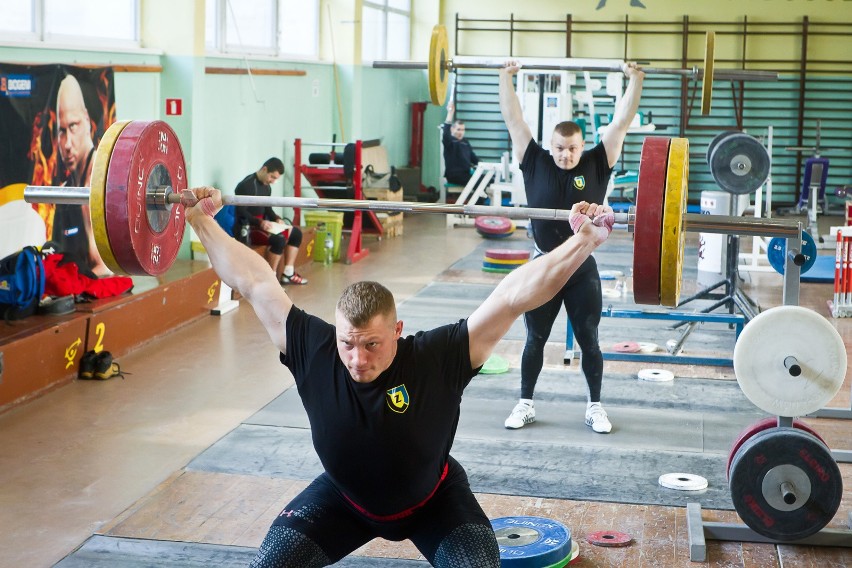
(329, 248)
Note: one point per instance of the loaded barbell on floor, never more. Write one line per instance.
(138, 222)
(440, 65)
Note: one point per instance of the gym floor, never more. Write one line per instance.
(110, 458)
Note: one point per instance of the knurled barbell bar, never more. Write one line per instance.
(138, 220)
(440, 65)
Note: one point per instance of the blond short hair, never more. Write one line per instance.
(362, 301)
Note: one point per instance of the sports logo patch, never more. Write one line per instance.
(580, 182)
(398, 399)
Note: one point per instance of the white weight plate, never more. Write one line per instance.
(683, 481)
(610, 293)
(648, 347)
(575, 550)
(779, 333)
(656, 375)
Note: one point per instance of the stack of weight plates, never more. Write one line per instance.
(494, 227)
(534, 542)
(504, 260)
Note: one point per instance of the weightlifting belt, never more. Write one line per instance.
(402, 514)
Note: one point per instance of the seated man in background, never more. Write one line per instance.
(258, 225)
(459, 157)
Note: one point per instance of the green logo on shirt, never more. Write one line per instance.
(579, 182)
(398, 399)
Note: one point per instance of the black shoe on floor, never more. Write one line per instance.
(87, 365)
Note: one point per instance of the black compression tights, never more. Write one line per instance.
(284, 547)
(468, 546)
(581, 297)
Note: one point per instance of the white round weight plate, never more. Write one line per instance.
(683, 481)
(648, 347)
(790, 361)
(656, 375)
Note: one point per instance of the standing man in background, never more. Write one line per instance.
(72, 224)
(459, 157)
(557, 180)
(264, 227)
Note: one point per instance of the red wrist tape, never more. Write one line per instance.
(207, 206)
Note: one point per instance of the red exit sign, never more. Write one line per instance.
(174, 107)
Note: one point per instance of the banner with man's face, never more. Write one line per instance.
(51, 120)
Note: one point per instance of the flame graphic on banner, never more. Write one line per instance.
(43, 166)
(103, 96)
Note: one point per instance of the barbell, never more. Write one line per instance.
(440, 65)
(138, 217)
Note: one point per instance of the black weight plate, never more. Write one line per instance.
(716, 139)
(785, 485)
(739, 163)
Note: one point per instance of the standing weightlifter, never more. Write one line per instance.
(558, 180)
(383, 409)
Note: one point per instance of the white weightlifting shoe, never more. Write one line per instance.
(596, 418)
(521, 415)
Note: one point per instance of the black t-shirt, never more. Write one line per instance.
(459, 156)
(69, 227)
(384, 444)
(550, 187)
(69, 234)
(252, 214)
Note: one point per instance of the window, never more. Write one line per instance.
(298, 25)
(386, 30)
(263, 27)
(114, 22)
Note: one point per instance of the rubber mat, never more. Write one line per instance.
(822, 271)
(685, 426)
(110, 552)
(440, 303)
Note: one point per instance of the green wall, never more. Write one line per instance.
(232, 123)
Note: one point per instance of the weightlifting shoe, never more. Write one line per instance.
(294, 278)
(596, 418)
(521, 415)
(87, 365)
(105, 367)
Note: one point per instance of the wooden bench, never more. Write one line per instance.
(43, 352)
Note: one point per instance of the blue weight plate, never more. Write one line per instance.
(494, 235)
(776, 252)
(531, 542)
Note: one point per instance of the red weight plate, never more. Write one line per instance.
(760, 426)
(648, 228)
(144, 239)
(494, 225)
(507, 254)
(626, 347)
(609, 538)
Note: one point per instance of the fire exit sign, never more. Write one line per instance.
(174, 107)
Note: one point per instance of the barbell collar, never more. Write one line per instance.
(746, 226)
